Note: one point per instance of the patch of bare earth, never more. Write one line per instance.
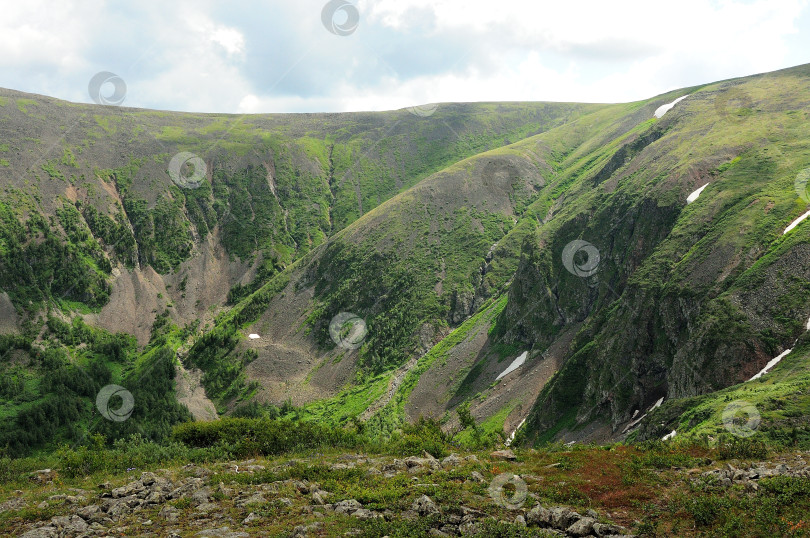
(134, 300)
(208, 275)
(9, 321)
(290, 365)
(133, 303)
(522, 387)
(431, 396)
(439, 389)
(191, 393)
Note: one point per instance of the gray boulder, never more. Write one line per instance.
(424, 506)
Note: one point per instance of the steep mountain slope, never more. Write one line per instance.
(99, 241)
(562, 266)
(276, 185)
(685, 299)
(676, 299)
(413, 269)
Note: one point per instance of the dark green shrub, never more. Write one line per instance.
(740, 448)
(704, 509)
(252, 437)
(425, 435)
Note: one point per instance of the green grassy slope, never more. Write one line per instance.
(686, 299)
(87, 203)
(276, 185)
(774, 408)
(437, 231)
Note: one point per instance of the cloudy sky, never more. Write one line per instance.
(310, 55)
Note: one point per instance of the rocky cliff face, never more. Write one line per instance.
(684, 299)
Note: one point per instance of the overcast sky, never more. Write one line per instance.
(310, 55)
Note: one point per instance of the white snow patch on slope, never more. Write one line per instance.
(694, 196)
(771, 363)
(517, 363)
(512, 435)
(642, 417)
(796, 222)
(669, 436)
(663, 109)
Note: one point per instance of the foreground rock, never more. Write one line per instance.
(750, 473)
(506, 455)
(207, 507)
(572, 523)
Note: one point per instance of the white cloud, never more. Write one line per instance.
(190, 56)
(35, 32)
(669, 46)
(230, 39)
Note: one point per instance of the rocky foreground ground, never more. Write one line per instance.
(488, 494)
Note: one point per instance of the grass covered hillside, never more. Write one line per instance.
(111, 269)
(495, 273)
(688, 298)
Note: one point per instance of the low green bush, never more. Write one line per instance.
(134, 452)
(425, 435)
(729, 448)
(705, 509)
(255, 437)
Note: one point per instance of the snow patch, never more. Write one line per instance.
(663, 109)
(669, 436)
(642, 417)
(796, 222)
(694, 196)
(517, 363)
(512, 435)
(253, 336)
(773, 362)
